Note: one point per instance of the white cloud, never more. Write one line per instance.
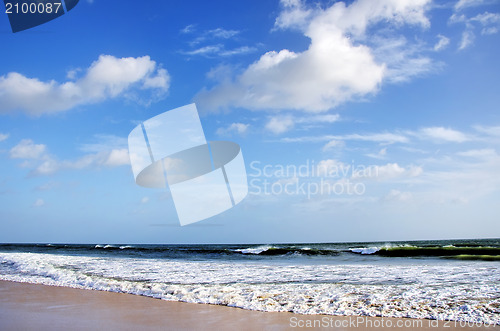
(189, 28)
(210, 49)
(222, 33)
(39, 203)
(333, 168)
(402, 59)
(27, 149)
(4, 136)
(487, 18)
(489, 30)
(111, 158)
(294, 15)
(442, 43)
(280, 124)
(326, 118)
(108, 77)
(145, 200)
(395, 195)
(456, 18)
(336, 67)
(467, 39)
(484, 153)
(212, 35)
(442, 134)
(333, 144)
(488, 130)
(47, 167)
(210, 43)
(238, 128)
(474, 174)
(490, 23)
(220, 50)
(384, 138)
(103, 143)
(48, 186)
(462, 4)
(117, 157)
(387, 172)
(237, 51)
(108, 153)
(380, 155)
(72, 74)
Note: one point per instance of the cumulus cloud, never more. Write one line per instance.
(4, 136)
(107, 77)
(340, 64)
(294, 15)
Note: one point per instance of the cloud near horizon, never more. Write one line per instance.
(108, 77)
(37, 157)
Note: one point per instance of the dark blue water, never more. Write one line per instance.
(470, 249)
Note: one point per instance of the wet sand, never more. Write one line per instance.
(39, 307)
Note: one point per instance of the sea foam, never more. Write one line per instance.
(450, 290)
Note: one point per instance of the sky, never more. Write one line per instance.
(365, 120)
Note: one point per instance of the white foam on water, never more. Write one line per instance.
(458, 290)
(365, 250)
(254, 250)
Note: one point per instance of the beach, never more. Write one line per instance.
(40, 307)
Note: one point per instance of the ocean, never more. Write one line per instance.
(456, 280)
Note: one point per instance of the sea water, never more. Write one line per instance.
(456, 280)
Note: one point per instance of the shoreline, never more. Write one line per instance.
(43, 307)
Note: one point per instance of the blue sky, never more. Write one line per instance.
(358, 121)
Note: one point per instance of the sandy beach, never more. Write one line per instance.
(40, 307)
